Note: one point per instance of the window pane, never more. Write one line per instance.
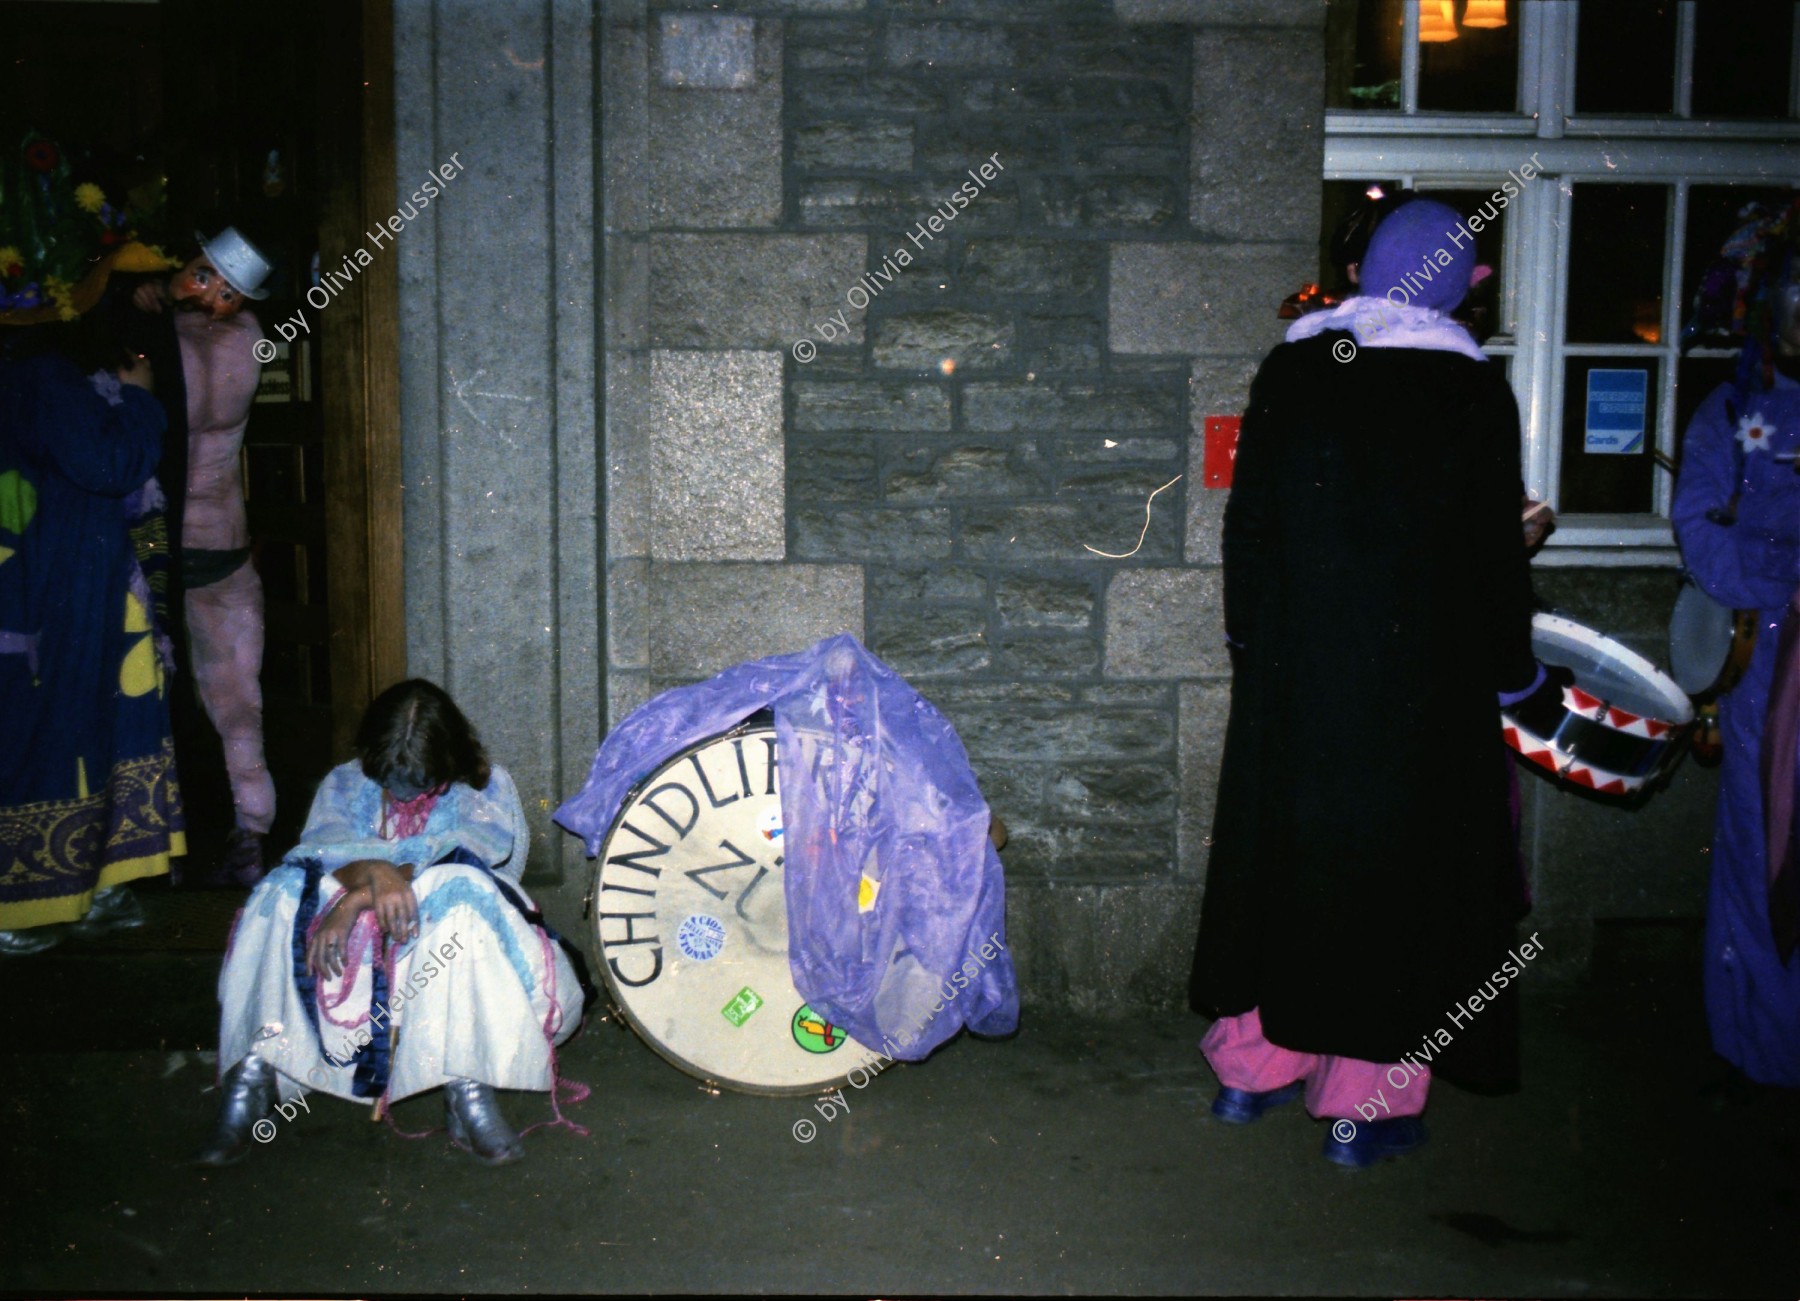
(1480, 310)
(1714, 215)
(1342, 199)
(1741, 59)
(1477, 69)
(1625, 62)
(1608, 431)
(1362, 61)
(1616, 263)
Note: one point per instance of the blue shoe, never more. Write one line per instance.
(1240, 1106)
(1358, 1145)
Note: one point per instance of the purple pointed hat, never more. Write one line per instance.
(1407, 256)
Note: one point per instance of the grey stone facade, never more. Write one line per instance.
(735, 371)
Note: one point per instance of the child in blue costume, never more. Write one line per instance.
(1737, 518)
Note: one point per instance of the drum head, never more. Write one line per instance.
(1699, 640)
(691, 924)
(1610, 670)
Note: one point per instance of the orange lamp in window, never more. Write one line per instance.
(1437, 21)
(1485, 13)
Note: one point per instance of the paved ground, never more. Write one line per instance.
(1075, 1158)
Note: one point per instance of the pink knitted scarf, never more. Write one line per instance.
(403, 818)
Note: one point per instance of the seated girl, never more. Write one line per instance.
(393, 951)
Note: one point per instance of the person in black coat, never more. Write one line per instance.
(1363, 882)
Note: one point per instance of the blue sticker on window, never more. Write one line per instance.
(1616, 404)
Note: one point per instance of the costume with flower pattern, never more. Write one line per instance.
(1746, 558)
(1737, 518)
(88, 797)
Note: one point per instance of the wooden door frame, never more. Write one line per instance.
(359, 359)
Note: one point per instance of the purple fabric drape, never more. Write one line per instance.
(1781, 740)
(874, 784)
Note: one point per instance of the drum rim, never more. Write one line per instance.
(1624, 654)
(675, 1059)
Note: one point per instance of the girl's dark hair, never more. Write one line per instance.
(413, 730)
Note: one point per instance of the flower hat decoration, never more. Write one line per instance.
(61, 238)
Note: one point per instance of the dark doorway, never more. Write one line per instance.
(277, 118)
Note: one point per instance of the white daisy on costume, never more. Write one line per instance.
(1755, 432)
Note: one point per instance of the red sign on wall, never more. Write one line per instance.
(1221, 450)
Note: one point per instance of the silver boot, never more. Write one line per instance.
(249, 1095)
(473, 1113)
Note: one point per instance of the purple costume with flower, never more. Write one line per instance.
(1752, 996)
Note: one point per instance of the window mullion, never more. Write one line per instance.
(1664, 496)
(1555, 229)
(1794, 67)
(1686, 23)
(1532, 52)
(1535, 375)
(1409, 57)
(1553, 61)
(1519, 264)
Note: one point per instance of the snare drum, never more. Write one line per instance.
(1618, 729)
(691, 924)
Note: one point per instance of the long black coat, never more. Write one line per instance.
(1363, 878)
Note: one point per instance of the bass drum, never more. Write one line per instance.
(690, 921)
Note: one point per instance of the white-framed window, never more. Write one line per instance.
(1688, 112)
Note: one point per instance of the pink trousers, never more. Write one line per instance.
(225, 636)
(1337, 1088)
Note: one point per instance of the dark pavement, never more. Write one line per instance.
(1076, 1158)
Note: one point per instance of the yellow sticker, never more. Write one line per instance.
(866, 894)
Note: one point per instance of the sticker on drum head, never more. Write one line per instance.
(741, 1008)
(770, 823)
(815, 1034)
(700, 937)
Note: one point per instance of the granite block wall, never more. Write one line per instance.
(1003, 280)
(758, 320)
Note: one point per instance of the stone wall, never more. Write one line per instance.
(735, 372)
(962, 395)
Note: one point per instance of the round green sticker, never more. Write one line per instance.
(815, 1034)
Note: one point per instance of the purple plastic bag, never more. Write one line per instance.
(874, 783)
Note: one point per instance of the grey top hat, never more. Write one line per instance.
(238, 260)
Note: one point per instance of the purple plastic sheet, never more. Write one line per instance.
(874, 782)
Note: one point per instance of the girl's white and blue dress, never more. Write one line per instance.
(483, 993)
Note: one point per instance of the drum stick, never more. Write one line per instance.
(1535, 508)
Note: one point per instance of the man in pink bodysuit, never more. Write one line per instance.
(224, 597)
